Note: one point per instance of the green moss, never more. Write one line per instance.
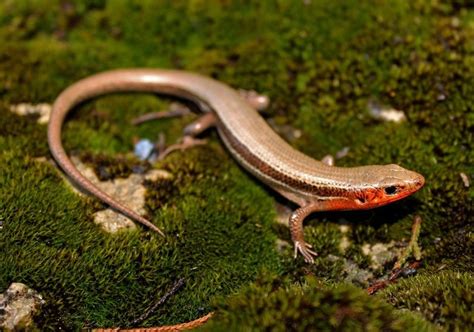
(321, 62)
(276, 306)
(216, 241)
(453, 251)
(415, 69)
(24, 131)
(444, 298)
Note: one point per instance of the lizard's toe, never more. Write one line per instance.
(307, 253)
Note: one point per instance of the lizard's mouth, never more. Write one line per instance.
(409, 187)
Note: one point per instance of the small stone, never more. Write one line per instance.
(18, 305)
(112, 222)
(465, 179)
(353, 273)
(43, 110)
(441, 97)
(156, 174)
(344, 229)
(381, 253)
(385, 113)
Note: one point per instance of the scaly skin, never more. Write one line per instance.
(313, 185)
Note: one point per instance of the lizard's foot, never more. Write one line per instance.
(304, 249)
(185, 143)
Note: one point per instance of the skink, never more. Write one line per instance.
(313, 185)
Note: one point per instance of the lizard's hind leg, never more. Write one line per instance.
(192, 130)
(204, 122)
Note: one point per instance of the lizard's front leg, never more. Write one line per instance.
(296, 228)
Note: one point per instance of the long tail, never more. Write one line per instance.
(82, 90)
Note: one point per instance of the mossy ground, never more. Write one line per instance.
(321, 62)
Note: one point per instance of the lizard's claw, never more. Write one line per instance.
(307, 253)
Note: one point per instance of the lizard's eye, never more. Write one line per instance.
(390, 190)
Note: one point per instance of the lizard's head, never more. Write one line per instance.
(386, 184)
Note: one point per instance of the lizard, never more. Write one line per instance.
(314, 186)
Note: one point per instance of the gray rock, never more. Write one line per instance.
(381, 253)
(18, 305)
(43, 110)
(130, 192)
(352, 272)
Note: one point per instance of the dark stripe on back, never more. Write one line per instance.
(272, 172)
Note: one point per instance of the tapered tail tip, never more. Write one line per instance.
(156, 229)
(148, 224)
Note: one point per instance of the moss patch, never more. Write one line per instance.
(90, 278)
(322, 63)
(445, 298)
(276, 306)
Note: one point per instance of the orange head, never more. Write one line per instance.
(385, 184)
